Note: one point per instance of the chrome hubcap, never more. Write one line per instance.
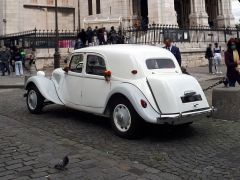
(32, 99)
(122, 118)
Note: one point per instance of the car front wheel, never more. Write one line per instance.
(35, 100)
(125, 120)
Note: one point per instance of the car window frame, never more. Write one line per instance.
(77, 54)
(86, 64)
(160, 68)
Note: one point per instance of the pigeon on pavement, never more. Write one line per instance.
(62, 164)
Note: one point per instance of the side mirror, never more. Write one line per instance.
(107, 75)
(65, 61)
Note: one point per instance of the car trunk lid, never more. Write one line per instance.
(177, 93)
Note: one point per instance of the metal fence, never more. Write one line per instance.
(41, 39)
(155, 34)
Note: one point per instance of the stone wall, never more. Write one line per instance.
(45, 57)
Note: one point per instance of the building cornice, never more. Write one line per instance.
(47, 6)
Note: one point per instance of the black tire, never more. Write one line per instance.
(38, 106)
(135, 127)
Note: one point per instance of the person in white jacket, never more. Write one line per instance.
(217, 58)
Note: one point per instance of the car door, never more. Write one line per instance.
(73, 81)
(95, 88)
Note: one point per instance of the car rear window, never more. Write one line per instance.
(160, 64)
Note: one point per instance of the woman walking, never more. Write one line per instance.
(232, 60)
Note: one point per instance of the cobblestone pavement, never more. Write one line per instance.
(31, 144)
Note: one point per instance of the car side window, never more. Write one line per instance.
(95, 65)
(76, 64)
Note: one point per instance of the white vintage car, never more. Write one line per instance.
(128, 83)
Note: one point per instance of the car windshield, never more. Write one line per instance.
(160, 64)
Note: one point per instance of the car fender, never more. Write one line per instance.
(135, 95)
(46, 87)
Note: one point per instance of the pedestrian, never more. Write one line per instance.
(238, 44)
(12, 61)
(18, 63)
(83, 36)
(5, 58)
(78, 44)
(89, 33)
(95, 36)
(1, 63)
(209, 57)
(105, 36)
(144, 23)
(174, 49)
(120, 39)
(23, 56)
(232, 61)
(217, 58)
(101, 36)
(113, 36)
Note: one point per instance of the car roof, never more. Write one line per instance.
(130, 49)
(122, 58)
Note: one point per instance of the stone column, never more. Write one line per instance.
(225, 17)
(198, 14)
(162, 12)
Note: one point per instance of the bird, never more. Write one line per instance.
(62, 164)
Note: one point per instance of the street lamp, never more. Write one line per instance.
(56, 54)
(79, 23)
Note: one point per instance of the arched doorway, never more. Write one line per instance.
(144, 8)
(140, 10)
(183, 10)
(212, 11)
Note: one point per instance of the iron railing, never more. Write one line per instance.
(153, 34)
(41, 38)
(156, 33)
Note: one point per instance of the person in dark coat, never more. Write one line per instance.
(174, 49)
(83, 36)
(101, 36)
(209, 57)
(232, 61)
(113, 36)
(90, 35)
(5, 59)
(78, 44)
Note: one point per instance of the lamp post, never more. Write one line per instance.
(56, 54)
(79, 23)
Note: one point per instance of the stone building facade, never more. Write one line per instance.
(23, 15)
(183, 13)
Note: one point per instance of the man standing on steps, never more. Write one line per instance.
(174, 49)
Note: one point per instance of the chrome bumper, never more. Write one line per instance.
(178, 118)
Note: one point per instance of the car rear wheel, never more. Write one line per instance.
(35, 100)
(125, 120)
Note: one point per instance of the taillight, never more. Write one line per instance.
(143, 103)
